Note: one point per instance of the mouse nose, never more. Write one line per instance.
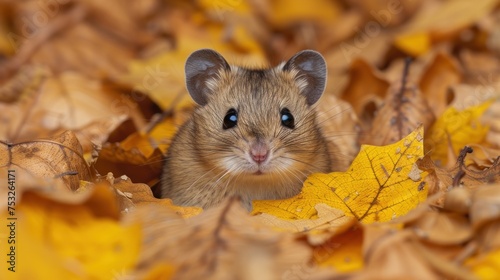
(259, 152)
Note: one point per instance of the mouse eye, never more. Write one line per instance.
(231, 119)
(287, 118)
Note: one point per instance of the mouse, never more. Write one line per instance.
(253, 134)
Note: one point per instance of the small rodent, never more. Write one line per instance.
(253, 135)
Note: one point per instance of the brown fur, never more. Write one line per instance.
(206, 164)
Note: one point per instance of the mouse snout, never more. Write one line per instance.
(259, 152)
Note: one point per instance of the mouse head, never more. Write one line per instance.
(258, 122)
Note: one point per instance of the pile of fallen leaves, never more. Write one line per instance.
(91, 93)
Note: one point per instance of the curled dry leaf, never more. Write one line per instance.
(57, 158)
(381, 184)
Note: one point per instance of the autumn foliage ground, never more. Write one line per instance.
(92, 92)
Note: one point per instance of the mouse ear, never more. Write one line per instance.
(202, 66)
(311, 67)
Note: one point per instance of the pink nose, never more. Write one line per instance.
(259, 152)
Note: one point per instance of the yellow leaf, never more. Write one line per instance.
(414, 44)
(486, 266)
(458, 128)
(381, 184)
(343, 252)
(64, 241)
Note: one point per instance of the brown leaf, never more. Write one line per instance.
(485, 216)
(365, 86)
(221, 243)
(442, 228)
(392, 254)
(141, 194)
(485, 205)
(69, 101)
(442, 73)
(60, 157)
(458, 200)
(440, 179)
(480, 68)
(402, 111)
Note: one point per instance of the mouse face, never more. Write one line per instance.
(257, 125)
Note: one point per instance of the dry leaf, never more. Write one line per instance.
(69, 101)
(141, 194)
(403, 110)
(394, 254)
(57, 158)
(223, 243)
(435, 82)
(440, 179)
(366, 86)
